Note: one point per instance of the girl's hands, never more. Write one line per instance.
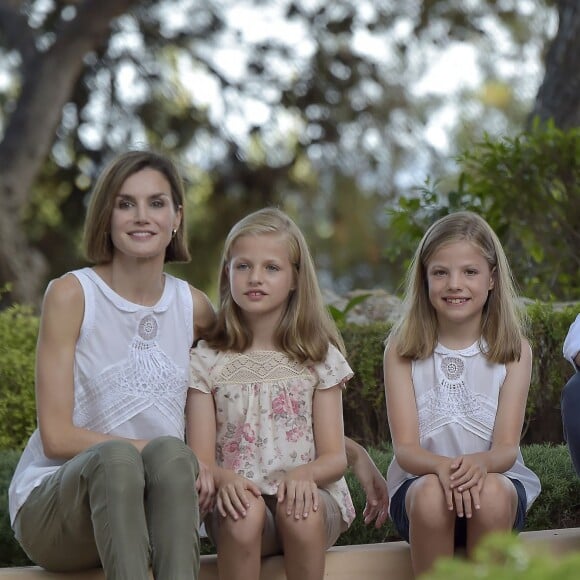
(467, 477)
(300, 492)
(205, 489)
(232, 494)
(468, 471)
(462, 479)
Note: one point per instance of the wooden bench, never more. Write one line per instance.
(369, 561)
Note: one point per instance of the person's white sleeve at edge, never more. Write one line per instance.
(571, 346)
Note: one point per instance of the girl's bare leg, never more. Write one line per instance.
(304, 543)
(499, 503)
(431, 523)
(239, 543)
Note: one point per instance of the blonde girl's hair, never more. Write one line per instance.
(502, 321)
(306, 329)
(97, 243)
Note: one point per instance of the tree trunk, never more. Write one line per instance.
(47, 82)
(559, 95)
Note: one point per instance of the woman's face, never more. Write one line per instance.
(144, 216)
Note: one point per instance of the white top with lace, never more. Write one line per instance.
(130, 372)
(263, 402)
(457, 394)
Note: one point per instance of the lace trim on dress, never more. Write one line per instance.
(259, 366)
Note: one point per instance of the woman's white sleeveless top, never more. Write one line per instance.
(131, 372)
(457, 393)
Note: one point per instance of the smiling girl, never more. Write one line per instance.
(457, 372)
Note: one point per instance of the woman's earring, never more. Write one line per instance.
(173, 232)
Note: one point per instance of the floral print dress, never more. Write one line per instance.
(263, 402)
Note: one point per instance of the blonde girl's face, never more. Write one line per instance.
(459, 280)
(144, 216)
(261, 275)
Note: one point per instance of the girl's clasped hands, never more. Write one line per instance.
(462, 479)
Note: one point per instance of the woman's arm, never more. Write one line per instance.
(60, 323)
(203, 313)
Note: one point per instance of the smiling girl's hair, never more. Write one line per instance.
(415, 334)
(306, 328)
(97, 233)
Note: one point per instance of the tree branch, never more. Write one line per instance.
(558, 97)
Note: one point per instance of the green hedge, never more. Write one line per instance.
(365, 415)
(18, 329)
(364, 400)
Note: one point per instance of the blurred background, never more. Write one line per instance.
(364, 119)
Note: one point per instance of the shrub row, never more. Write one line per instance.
(557, 506)
(365, 415)
(364, 401)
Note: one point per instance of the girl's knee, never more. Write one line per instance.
(498, 496)
(426, 495)
(300, 529)
(426, 503)
(245, 530)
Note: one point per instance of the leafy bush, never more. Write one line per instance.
(11, 554)
(18, 329)
(558, 505)
(365, 415)
(505, 557)
(528, 189)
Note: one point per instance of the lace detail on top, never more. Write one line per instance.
(451, 401)
(146, 377)
(260, 366)
(148, 327)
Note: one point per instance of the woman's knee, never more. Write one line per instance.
(570, 400)
(171, 457)
(115, 466)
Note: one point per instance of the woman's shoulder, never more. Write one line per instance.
(65, 290)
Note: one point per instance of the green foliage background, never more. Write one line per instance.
(528, 188)
(505, 557)
(18, 329)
